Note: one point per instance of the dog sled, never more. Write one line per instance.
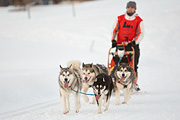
(122, 53)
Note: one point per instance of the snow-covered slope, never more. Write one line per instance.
(32, 49)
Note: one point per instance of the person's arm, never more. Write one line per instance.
(115, 31)
(140, 33)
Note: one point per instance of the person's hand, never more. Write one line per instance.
(114, 44)
(131, 44)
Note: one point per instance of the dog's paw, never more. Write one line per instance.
(65, 112)
(76, 111)
(124, 102)
(99, 112)
(105, 109)
(92, 102)
(118, 103)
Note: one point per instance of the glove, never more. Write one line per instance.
(131, 44)
(114, 44)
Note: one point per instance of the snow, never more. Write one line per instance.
(31, 51)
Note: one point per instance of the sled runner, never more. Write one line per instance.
(125, 54)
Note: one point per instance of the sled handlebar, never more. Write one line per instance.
(123, 45)
(127, 53)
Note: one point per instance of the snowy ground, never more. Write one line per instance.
(32, 49)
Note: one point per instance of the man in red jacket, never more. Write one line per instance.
(129, 29)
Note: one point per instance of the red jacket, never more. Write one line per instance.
(127, 30)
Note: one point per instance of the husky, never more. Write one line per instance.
(89, 72)
(102, 87)
(125, 77)
(70, 78)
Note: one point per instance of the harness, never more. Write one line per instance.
(89, 75)
(125, 86)
(81, 92)
(89, 78)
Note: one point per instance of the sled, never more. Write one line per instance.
(126, 53)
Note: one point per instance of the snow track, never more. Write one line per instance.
(27, 109)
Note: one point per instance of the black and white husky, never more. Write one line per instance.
(102, 87)
(124, 80)
(70, 78)
(89, 72)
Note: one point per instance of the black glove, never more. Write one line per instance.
(114, 44)
(131, 44)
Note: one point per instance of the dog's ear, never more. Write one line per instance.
(60, 67)
(70, 67)
(83, 65)
(91, 64)
(120, 64)
(128, 64)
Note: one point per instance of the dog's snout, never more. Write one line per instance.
(99, 92)
(65, 79)
(123, 75)
(85, 78)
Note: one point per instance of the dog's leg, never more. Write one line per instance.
(79, 102)
(117, 95)
(85, 89)
(130, 90)
(63, 97)
(68, 104)
(76, 102)
(107, 104)
(126, 95)
(105, 99)
(93, 100)
(100, 105)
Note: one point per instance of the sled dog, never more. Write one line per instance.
(125, 77)
(102, 87)
(89, 72)
(70, 78)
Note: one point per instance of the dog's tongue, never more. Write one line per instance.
(122, 79)
(97, 97)
(66, 84)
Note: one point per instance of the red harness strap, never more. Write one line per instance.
(89, 75)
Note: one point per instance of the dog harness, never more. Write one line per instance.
(125, 85)
(86, 81)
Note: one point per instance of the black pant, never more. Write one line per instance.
(125, 58)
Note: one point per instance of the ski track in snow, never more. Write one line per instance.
(53, 109)
(151, 109)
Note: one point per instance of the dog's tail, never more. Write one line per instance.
(75, 64)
